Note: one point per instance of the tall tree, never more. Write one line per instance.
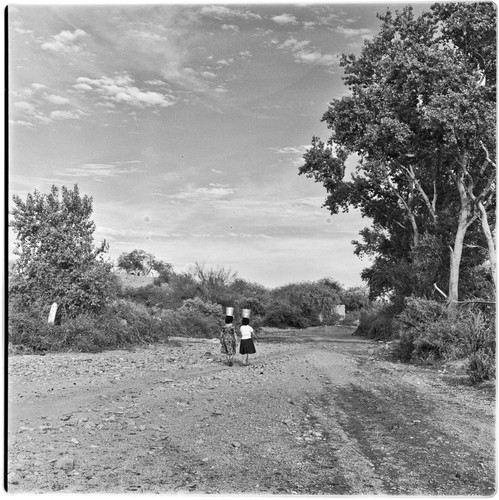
(421, 118)
(141, 262)
(57, 259)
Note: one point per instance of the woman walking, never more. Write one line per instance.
(247, 345)
(228, 339)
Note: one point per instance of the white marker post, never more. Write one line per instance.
(53, 312)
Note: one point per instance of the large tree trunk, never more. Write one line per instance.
(457, 252)
(490, 242)
(455, 260)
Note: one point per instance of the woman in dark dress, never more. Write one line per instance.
(228, 340)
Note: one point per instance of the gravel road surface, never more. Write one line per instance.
(316, 412)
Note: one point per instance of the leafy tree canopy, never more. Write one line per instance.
(421, 117)
(57, 259)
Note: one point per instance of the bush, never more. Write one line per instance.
(30, 330)
(434, 333)
(134, 323)
(482, 366)
(418, 313)
(149, 295)
(377, 322)
(282, 315)
(351, 318)
(194, 319)
(122, 323)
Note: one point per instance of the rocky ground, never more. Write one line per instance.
(314, 413)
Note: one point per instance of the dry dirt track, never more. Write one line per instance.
(313, 414)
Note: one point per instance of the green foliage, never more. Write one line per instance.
(194, 318)
(151, 295)
(351, 318)
(138, 323)
(377, 322)
(355, 298)
(180, 287)
(120, 324)
(57, 260)
(420, 115)
(140, 262)
(482, 366)
(281, 314)
(431, 332)
(306, 303)
(196, 305)
(214, 284)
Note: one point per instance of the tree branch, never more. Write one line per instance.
(439, 291)
(412, 176)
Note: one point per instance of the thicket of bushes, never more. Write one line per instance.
(431, 332)
(190, 305)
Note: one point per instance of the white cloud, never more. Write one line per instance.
(23, 123)
(38, 86)
(147, 36)
(82, 86)
(221, 12)
(57, 99)
(23, 31)
(25, 107)
(316, 57)
(230, 27)
(309, 25)
(354, 32)
(66, 115)
(65, 42)
(292, 149)
(208, 74)
(294, 44)
(120, 89)
(155, 82)
(96, 170)
(212, 192)
(303, 53)
(246, 53)
(225, 62)
(285, 19)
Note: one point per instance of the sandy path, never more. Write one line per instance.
(308, 416)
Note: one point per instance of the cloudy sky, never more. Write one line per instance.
(187, 124)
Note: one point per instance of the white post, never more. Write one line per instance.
(53, 312)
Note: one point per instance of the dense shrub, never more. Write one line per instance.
(282, 315)
(351, 318)
(149, 295)
(303, 304)
(355, 298)
(482, 366)
(433, 332)
(30, 330)
(121, 323)
(134, 323)
(195, 318)
(377, 322)
(255, 305)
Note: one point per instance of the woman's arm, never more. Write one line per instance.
(253, 334)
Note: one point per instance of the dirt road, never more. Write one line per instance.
(315, 413)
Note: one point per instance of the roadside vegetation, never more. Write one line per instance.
(420, 115)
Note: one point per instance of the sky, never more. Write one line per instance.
(186, 124)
